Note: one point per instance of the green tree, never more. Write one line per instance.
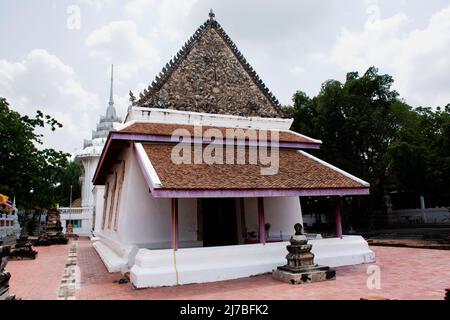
(420, 158)
(356, 120)
(70, 176)
(368, 131)
(28, 173)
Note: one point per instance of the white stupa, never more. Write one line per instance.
(88, 158)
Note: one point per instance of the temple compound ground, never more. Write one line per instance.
(75, 271)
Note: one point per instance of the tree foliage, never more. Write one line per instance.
(32, 175)
(420, 157)
(368, 131)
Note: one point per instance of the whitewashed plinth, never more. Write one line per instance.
(154, 268)
(116, 257)
(336, 252)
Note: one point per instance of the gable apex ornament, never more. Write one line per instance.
(211, 14)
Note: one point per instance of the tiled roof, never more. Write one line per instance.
(76, 203)
(296, 171)
(161, 129)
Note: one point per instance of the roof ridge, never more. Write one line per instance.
(174, 63)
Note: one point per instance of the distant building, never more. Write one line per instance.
(9, 222)
(81, 213)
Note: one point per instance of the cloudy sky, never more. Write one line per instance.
(55, 54)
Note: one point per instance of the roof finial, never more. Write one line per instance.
(111, 111)
(111, 100)
(211, 15)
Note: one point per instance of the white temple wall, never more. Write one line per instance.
(282, 214)
(89, 165)
(144, 221)
(156, 115)
(104, 230)
(98, 192)
(147, 220)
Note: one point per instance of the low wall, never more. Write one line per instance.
(83, 214)
(153, 268)
(420, 216)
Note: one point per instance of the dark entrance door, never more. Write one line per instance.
(219, 222)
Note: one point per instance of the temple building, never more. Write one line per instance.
(81, 213)
(204, 179)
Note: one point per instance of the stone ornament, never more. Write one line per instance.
(300, 267)
(52, 233)
(4, 275)
(23, 249)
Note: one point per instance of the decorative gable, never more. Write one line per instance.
(210, 75)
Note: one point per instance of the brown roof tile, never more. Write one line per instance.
(162, 129)
(76, 203)
(296, 171)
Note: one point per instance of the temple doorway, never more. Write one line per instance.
(219, 225)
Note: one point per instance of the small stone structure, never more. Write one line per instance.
(4, 275)
(23, 249)
(69, 232)
(52, 233)
(300, 267)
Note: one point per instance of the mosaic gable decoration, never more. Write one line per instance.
(209, 74)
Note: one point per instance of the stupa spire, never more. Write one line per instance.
(111, 99)
(111, 111)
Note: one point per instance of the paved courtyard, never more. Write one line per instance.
(406, 273)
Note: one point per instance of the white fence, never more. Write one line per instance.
(82, 219)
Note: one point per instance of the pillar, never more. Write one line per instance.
(422, 209)
(175, 224)
(262, 229)
(337, 213)
(243, 222)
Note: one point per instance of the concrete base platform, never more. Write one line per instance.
(113, 262)
(314, 275)
(155, 268)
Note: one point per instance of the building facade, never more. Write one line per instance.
(185, 198)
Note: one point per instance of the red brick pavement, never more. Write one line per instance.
(405, 274)
(39, 279)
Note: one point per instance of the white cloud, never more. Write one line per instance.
(170, 14)
(120, 43)
(98, 4)
(138, 8)
(297, 71)
(418, 59)
(43, 82)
